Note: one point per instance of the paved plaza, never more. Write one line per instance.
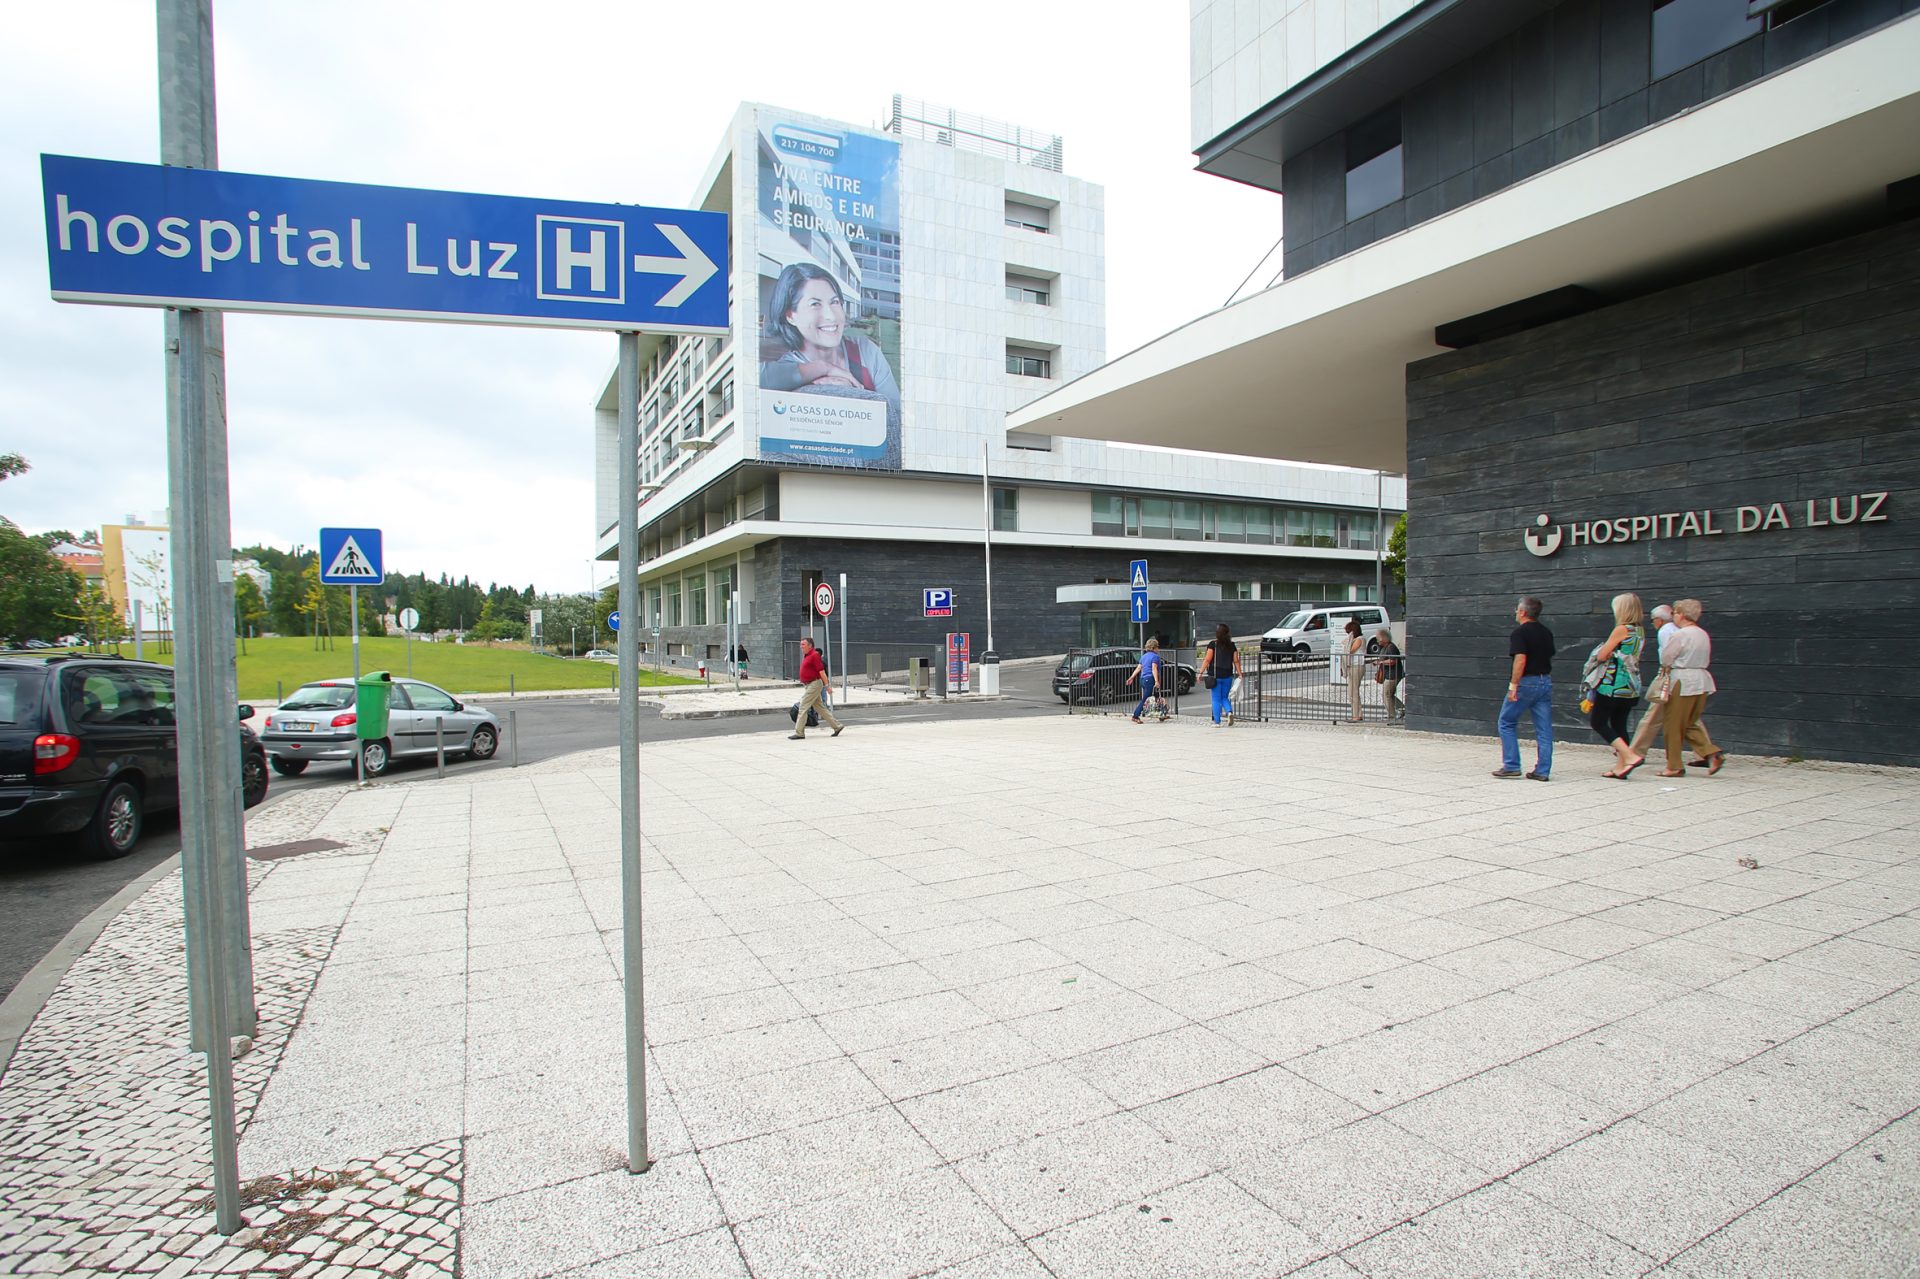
(1001, 999)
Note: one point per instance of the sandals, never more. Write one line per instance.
(1670, 773)
(1712, 763)
(1621, 775)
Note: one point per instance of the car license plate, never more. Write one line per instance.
(297, 727)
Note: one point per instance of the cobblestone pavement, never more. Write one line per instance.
(1036, 997)
(103, 1118)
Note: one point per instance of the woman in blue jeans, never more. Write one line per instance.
(1222, 661)
(1148, 673)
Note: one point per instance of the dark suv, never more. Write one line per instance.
(88, 744)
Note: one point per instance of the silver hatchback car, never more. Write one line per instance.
(318, 723)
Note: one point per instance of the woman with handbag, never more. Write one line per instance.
(1219, 670)
(1615, 686)
(1356, 665)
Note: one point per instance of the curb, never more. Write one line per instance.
(23, 1005)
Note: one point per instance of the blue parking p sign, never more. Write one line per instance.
(938, 600)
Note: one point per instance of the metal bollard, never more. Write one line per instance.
(440, 745)
(279, 692)
(513, 733)
(509, 686)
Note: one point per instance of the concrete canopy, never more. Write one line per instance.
(1313, 369)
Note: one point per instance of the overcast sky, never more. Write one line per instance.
(472, 447)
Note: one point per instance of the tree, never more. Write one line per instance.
(486, 629)
(154, 572)
(249, 607)
(1396, 557)
(38, 594)
(12, 464)
(98, 619)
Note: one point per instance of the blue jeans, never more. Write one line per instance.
(1535, 695)
(1146, 695)
(1222, 697)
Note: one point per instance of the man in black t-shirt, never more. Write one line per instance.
(1529, 690)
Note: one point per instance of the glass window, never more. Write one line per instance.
(1231, 524)
(1028, 217)
(1106, 514)
(1133, 516)
(673, 604)
(1186, 521)
(1156, 517)
(1374, 170)
(425, 697)
(1027, 288)
(1259, 524)
(1006, 510)
(697, 599)
(1299, 527)
(1686, 31)
(1323, 528)
(1028, 363)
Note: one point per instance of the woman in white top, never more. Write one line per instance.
(1687, 654)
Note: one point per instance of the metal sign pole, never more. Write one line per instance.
(842, 606)
(986, 493)
(633, 950)
(214, 878)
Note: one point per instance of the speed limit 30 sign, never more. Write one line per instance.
(823, 599)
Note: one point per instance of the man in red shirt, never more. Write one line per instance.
(813, 678)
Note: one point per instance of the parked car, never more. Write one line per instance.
(1100, 675)
(89, 745)
(601, 652)
(318, 724)
(1303, 634)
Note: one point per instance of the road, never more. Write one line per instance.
(46, 887)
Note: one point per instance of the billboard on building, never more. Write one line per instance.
(828, 247)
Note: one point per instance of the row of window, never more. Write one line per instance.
(1299, 592)
(1684, 32)
(682, 601)
(1188, 520)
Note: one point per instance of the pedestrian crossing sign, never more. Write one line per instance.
(351, 557)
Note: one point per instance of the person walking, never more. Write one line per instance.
(1615, 666)
(1656, 698)
(1220, 667)
(1147, 671)
(1355, 649)
(740, 660)
(1529, 690)
(1388, 673)
(1687, 655)
(813, 678)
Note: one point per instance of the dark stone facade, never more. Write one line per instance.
(885, 580)
(1792, 381)
(1575, 78)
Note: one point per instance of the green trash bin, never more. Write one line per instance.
(372, 697)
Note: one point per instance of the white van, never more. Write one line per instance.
(1305, 632)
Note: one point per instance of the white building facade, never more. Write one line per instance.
(963, 274)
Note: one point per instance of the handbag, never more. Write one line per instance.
(813, 716)
(1206, 680)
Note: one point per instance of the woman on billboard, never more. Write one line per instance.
(807, 342)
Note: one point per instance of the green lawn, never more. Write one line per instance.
(460, 668)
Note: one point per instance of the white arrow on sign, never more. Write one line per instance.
(692, 266)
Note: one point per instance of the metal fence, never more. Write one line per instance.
(1321, 688)
(1095, 681)
(1270, 688)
